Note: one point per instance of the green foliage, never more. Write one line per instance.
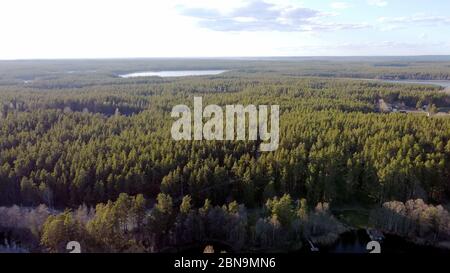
(186, 205)
(92, 137)
(334, 145)
(110, 228)
(59, 230)
(282, 209)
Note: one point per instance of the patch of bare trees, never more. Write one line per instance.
(414, 219)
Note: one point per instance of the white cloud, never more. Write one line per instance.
(377, 3)
(191, 28)
(409, 22)
(417, 19)
(267, 16)
(245, 19)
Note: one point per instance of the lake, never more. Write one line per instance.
(173, 73)
(432, 82)
(442, 83)
(356, 241)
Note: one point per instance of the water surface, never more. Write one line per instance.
(356, 242)
(430, 82)
(172, 73)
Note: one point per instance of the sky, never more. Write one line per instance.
(47, 29)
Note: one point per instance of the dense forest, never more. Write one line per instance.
(86, 155)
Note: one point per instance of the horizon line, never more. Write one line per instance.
(222, 57)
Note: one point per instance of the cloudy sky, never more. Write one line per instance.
(222, 28)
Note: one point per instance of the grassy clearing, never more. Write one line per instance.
(353, 217)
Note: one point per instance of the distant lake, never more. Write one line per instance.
(173, 73)
(431, 82)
